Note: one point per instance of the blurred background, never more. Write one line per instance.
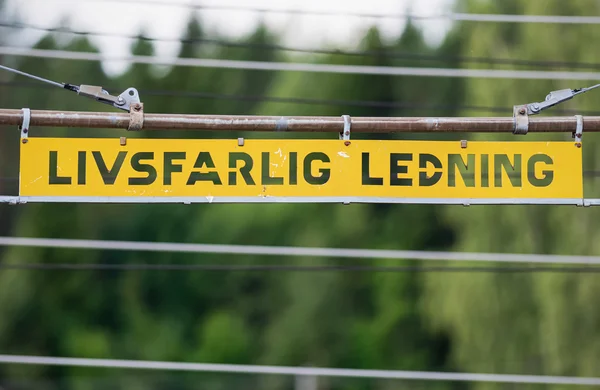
(536, 323)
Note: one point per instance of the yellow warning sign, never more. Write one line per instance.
(61, 167)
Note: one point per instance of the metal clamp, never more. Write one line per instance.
(521, 120)
(125, 101)
(24, 128)
(556, 97)
(136, 117)
(520, 113)
(578, 134)
(345, 134)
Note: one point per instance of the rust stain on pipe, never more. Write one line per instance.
(108, 120)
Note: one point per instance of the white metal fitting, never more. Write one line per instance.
(345, 134)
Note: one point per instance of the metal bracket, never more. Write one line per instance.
(24, 128)
(15, 201)
(345, 134)
(136, 117)
(578, 134)
(125, 101)
(521, 113)
(556, 97)
(521, 120)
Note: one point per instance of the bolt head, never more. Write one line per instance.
(578, 144)
(24, 140)
(347, 143)
(347, 133)
(522, 111)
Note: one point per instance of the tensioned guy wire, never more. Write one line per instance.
(32, 76)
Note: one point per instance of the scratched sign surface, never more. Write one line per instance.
(299, 168)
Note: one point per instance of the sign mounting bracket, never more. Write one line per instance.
(345, 134)
(24, 128)
(578, 134)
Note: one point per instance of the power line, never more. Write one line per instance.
(462, 17)
(296, 251)
(313, 101)
(306, 101)
(266, 46)
(291, 268)
(298, 371)
(304, 67)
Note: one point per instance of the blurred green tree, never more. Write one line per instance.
(530, 323)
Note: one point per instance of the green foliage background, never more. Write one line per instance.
(544, 324)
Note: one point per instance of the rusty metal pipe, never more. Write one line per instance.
(109, 120)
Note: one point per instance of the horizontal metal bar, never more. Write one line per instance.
(110, 120)
(298, 371)
(275, 199)
(346, 253)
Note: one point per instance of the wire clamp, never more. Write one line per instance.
(521, 112)
(521, 120)
(125, 101)
(24, 128)
(578, 134)
(345, 134)
(136, 117)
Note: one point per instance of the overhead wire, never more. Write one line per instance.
(304, 101)
(303, 67)
(124, 267)
(315, 101)
(298, 371)
(385, 53)
(453, 16)
(347, 253)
